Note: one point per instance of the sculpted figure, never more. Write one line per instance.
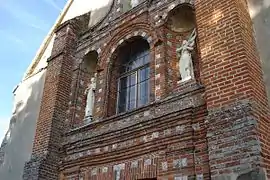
(90, 91)
(185, 61)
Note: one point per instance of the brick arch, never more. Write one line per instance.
(90, 59)
(120, 37)
(120, 43)
(174, 6)
(127, 33)
(162, 17)
(89, 50)
(93, 48)
(181, 35)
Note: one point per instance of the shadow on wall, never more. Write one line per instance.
(252, 175)
(17, 146)
(260, 14)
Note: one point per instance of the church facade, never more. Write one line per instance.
(156, 90)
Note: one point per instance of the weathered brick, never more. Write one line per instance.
(212, 127)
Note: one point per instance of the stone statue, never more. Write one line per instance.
(185, 62)
(90, 91)
(134, 3)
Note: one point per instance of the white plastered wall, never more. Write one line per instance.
(20, 135)
(260, 14)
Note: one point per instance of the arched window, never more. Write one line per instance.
(134, 75)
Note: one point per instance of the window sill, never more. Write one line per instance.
(193, 89)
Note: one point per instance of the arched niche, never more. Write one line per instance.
(181, 18)
(179, 27)
(88, 71)
(89, 63)
(129, 59)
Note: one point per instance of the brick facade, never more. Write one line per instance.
(212, 127)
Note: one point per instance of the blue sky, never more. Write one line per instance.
(23, 26)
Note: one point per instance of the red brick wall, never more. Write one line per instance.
(225, 54)
(231, 69)
(173, 41)
(107, 59)
(258, 91)
(177, 136)
(224, 108)
(49, 130)
(228, 52)
(56, 90)
(113, 85)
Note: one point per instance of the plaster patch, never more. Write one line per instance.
(155, 135)
(167, 132)
(181, 178)
(134, 164)
(119, 167)
(121, 41)
(171, 6)
(94, 172)
(164, 166)
(147, 162)
(114, 146)
(146, 113)
(145, 138)
(180, 129)
(97, 150)
(106, 148)
(104, 169)
(143, 34)
(149, 39)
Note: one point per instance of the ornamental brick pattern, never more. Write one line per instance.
(50, 126)
(212, 127)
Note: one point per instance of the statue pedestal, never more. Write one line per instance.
(186, 81)
(186, 86)
(183, 81)
(88, 119)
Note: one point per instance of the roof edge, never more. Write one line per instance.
(46, 41)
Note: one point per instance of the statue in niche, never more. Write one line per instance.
(185, 63)
(134, 3)
(90, 91)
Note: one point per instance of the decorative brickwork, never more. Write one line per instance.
(230, 66)
(214, 126)
(143, 137)
(45, 156)
(236, 134)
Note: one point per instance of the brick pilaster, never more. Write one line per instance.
(231, 73)
(46, 149)
(160, 66)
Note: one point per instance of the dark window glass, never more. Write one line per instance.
(144, 93)
(133, 89)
